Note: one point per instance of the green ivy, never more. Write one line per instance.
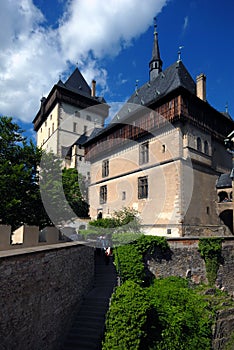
(211, 251)
(129, 259)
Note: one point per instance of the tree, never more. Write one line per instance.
(33, 188)
(73, 183)
(19, 190)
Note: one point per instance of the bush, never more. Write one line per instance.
(183, 316)
(129, 259)
(126, 318)
(129, 263)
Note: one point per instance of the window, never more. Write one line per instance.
(88, 118)
(163, 148)
(206, 147)
(74, 127)
(144, 153)
(105, 168)
(45, 123)
(49, 132)
(143, 187)
(85, 128)
(51, 117)
(199, 144)
(123, 195)
(52, 127)
(103, 194)
(77, 114)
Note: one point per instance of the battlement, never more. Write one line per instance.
(27, 236)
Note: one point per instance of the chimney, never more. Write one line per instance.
(93, 91)
(43, 99)
(201, 86)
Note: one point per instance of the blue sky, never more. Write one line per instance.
(112, 42)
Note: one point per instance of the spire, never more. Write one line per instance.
(156, 62)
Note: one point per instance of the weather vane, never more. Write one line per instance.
(155, 25)
(179, 53)
(136, 86)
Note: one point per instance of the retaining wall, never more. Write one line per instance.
(40, 289)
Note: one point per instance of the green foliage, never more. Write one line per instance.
(72, 183)
(129, 263)
(21, 195)
(19, 190)
(168, 315)
(129, 259)
(210, 250)
(230, 343)
(184, 317)
(104, 222)
(122, 238)
(126, 219)
(126, 319)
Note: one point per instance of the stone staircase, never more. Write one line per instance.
(88, 327)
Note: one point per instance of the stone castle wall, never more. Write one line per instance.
(184, 260)
(40, 289)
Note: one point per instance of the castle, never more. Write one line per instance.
(162, 154)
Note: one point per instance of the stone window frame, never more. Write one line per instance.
(143, 187)
(103, 194)
(105, 168)
(144, 153)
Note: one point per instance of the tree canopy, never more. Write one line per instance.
(20, 162)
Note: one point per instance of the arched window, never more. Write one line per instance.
(223, 197)
(206, 147)
(199, 148)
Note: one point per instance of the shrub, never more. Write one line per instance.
(126, 318)
(183, 316)
(129, 263)
(129, 259)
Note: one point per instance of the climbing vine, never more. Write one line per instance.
(211, 251)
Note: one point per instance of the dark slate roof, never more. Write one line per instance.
(227, 115)
(81, 140)
(77, 83)
(170, 79)
(224, 181)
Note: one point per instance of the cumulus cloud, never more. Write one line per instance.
(33, 54)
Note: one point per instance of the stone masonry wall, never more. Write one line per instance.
(184, 260)
(40, 288)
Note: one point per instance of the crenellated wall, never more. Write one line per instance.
(41, 287)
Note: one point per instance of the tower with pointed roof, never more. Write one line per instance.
(67, 116)
(162, 155)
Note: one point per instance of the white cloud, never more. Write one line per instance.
(186, 22)
(33, 55)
